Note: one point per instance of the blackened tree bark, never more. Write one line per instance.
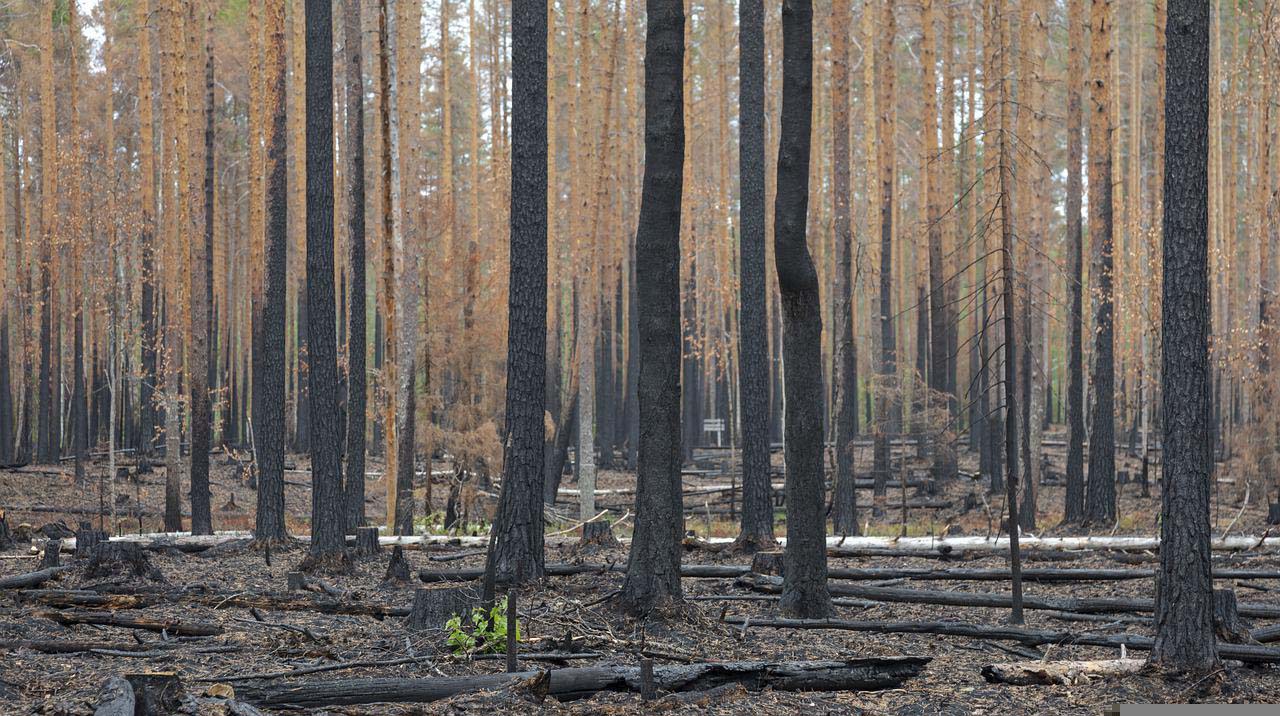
(844, 506)
(753, 354)
(890, 412)
(1184, 603)
(79, 398)
(1073, 512)
(327, 533)
(357, 401)
(516, 547)
(268, 384)
(202, 315)
(1101, 502)
(804, 591)
(653, 566)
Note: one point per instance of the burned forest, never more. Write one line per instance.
(619, 356)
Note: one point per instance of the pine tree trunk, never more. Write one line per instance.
(357, 391)
(1075, 488)
(1185, 638)
(888, 407)
(844, 506)
(327, 533)
(269, 429)
(1101, 494)
(653, 567)
(804, 592)
(201, 269)
(517, 545)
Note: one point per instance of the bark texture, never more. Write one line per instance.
(517, 544)
(653, 566)
(1184, 599)
(753, 354)
(805, 590)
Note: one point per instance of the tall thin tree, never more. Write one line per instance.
(1074, 506)
(844, 505)
(804, 591)
(753, 354)
(327, 533)
(1185, 638)
(357, 401)
(1101, 494)
(653, 566)
(269, 428)
(516, 547)
(201, 273)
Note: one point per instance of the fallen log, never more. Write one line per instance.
(1267, 634)
(1029, 637)
(216, 600)
(178, 627)
(31, 579)
(63, 646)
(1080, 605)
(574, 683)
(1038, 673)
(836, 546)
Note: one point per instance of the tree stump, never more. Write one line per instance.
(115, 698)
(157, 693)
(6, 537)
(598, 536)
(367, 541)
(1273, 513)
(51, 557)
(433, 607)
(767, 563)
(1226, 618)
(295, 581)
(113, 558)
(87, 539)
(398, 567)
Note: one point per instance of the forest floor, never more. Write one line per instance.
(577, 607)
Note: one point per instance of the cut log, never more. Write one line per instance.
(31, 579)
(177, 627)
(157, 694)
(115, 698)
(1082, 605)
(1069, 673)
(366, 541)
(397, 567)
(113, 559)
(219, 600)
(1030, 637)
(433, 607)
(575, 683)
(1226, 618)
(63, 646)
(1266, 635)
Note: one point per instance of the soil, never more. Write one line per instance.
(573, 613)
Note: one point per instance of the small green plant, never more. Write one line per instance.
(486, 633)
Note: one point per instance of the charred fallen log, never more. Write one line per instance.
(567, 684)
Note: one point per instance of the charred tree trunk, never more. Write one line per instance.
(653, 566)
(357, 392)
(1073, 512)
(202, 315)
(805, 589)
(268, 384)
(1184, 600)
(753, 354)
(844, 506)
(1101, 495)
(517, 545)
